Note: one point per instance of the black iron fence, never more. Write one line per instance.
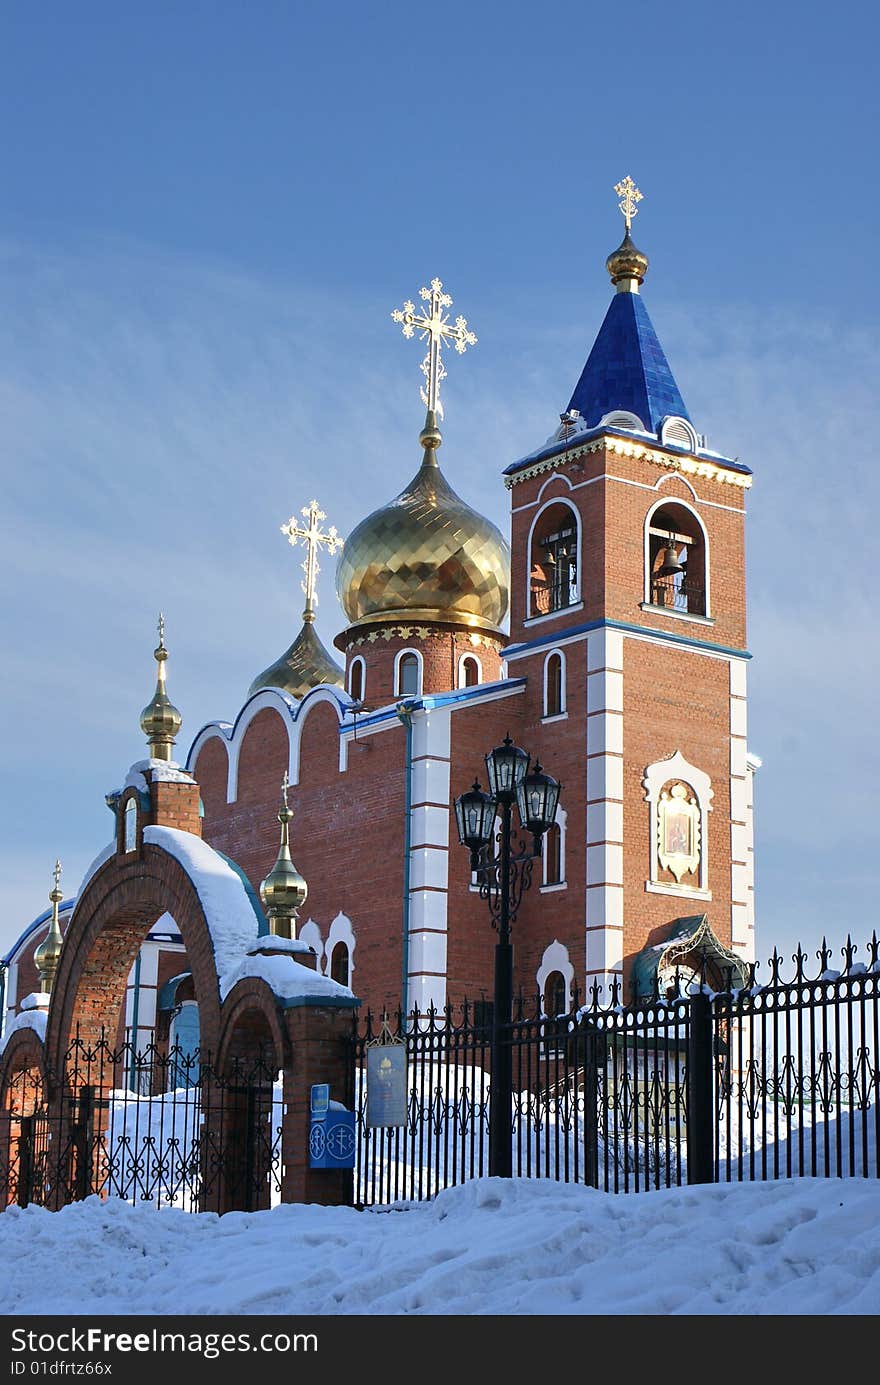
(775, 1078)
(149, 1126)
(705, 1082)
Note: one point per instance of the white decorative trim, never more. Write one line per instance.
(562, 824)
(309, 932)
(555, 958)
(680, 891)
(429, 855)
(694, 466)
(676, 767)
(553, 615)
(341, 931)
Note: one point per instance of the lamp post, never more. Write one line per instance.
(504, 875)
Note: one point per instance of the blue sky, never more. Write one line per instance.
(208, 212)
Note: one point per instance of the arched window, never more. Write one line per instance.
(130, 824)
(409, 675)
(554, 560)
(554, 685)
(555, 998)
(553, 855)
(676, 569)
(339, 964)
(356, 680)
(469, 672)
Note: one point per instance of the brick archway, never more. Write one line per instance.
(22, 1093)
(112, 917)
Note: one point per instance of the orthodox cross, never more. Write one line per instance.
(285, 785)
(630, 197)
(433, 325)
(56, 874)
(313, 537)
(161, 628)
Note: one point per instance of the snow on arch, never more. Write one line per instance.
(232, 920)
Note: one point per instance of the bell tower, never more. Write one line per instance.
(628, 620)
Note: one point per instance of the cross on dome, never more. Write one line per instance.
(434, 326)
(314, 537)
(630, 197)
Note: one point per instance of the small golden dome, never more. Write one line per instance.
(160, 719)
(304, 665)
(627, 262)
(48, 954)
(425, 556)
(284, 890)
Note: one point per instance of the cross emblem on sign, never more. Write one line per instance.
(313, 536)
(433, 325)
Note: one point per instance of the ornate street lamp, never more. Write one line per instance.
(503, 877)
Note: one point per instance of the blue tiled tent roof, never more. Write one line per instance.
(627, 369)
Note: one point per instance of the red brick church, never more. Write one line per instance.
(608, 639)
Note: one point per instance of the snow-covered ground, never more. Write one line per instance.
(488, 1247)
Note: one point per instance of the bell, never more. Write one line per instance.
(671, 566)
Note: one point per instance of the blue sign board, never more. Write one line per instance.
(331, 1141)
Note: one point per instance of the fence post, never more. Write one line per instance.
(700, 1124)
(25, 1160)
(591, 1106)
(82, 1143)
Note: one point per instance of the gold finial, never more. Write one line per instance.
(630, 197)
(160, 719)
(284, 890)
(314, 538)
(434, 326)
(627, 265)
(48, 954)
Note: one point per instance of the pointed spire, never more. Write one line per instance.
(48, 954)
(627, 371)
(160, 719)
(284, 890)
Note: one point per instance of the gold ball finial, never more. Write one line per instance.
(284, 891)
(160, 720)
(48, 955)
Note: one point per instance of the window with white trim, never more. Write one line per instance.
(554, 578)
(554, 684)
(469, 671)
(357, 679)
(409, 675)
(130, 819)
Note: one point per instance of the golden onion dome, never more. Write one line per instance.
(305, 665)
(425, 556)
(284, 890)
(160, 720)
(627, 263)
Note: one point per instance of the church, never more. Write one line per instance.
(607, 638)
